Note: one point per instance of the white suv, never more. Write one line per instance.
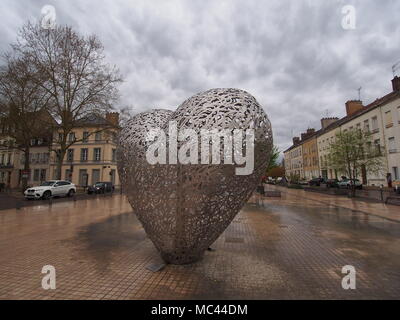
(51, 188)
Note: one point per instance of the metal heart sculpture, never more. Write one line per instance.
(184, 208)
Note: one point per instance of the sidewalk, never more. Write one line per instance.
(15, 199)
(386, 211)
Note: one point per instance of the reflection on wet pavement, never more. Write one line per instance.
(286, 248)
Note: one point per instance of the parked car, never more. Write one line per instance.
(50, 189)
(316, 182)
(100, 187)
(303, 182)
(332, 183)
(347, 183)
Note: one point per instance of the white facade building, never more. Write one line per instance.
(294, 161)
(390, 113)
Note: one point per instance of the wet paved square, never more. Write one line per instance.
(287, 248)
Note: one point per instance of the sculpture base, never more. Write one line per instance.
(172, 258)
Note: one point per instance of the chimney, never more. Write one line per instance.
(352, 106)
(296, 140)
(396, 84)
(307, 134)
(113, 118)
(325, 122)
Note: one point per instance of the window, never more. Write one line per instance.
(366, 125)
(55, 173)
(84, 154)
(68, 174)
(70, 155)
(71, 137)
(395, 173)
(36, 174)
(43, 175)
(97, 154)
(113, 155)
(46, 157)
(375, 127)
(85, 137)
(97, 137)
(392, 145)
(377, 144)
(83, 177)
(388, 119)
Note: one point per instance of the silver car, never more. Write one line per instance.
(347, 183)
(50, 189)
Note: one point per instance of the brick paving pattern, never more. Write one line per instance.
(286, 248)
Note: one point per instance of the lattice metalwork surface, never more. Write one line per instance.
(185, 207)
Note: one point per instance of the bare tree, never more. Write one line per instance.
(74, 73)
(23, 106)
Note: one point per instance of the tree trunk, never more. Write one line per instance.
(60, 161)
(24, 180)
(353, 184)
(353, 190)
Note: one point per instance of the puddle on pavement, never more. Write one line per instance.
(334, 216)
(99, 240)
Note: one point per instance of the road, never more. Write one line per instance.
(291, 247)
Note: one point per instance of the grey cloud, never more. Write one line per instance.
(293, 56)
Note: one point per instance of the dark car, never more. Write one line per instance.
(316, 182)
(101, 187)
(332, 183)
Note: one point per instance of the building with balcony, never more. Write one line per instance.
(92, 158)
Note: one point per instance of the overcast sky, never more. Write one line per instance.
(293, 56)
